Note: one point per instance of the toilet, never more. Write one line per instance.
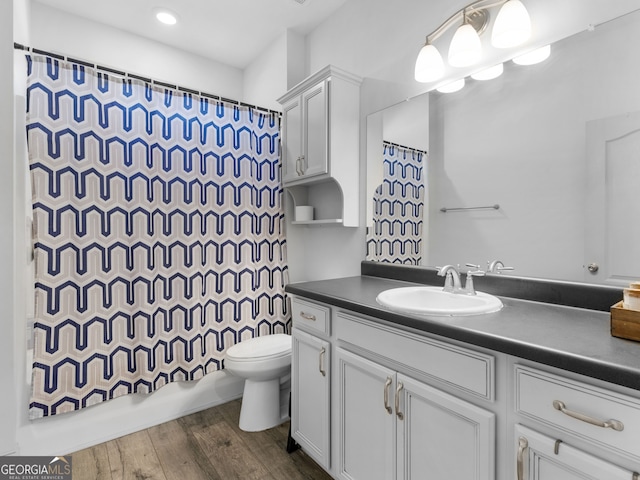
(265, 364)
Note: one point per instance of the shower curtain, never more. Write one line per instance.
(158, 236)
(396, 234)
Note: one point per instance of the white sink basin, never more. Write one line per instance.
(435, 301)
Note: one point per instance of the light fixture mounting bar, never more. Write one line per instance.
(476, 14)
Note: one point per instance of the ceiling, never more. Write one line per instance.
(233, 32)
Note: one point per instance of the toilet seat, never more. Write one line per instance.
(261, 348)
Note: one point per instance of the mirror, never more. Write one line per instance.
(556, 145)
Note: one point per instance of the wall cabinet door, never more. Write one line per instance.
(310, 395)
(441, 436)
(306, 135)
(291, 139)
(540, 458)
(366, 442)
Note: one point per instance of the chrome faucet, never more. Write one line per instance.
(452, 278)
(452, 281)
(468, 284)
(497, 267)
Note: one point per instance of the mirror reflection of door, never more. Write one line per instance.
(612, 231)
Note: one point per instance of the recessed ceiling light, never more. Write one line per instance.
(165, 16)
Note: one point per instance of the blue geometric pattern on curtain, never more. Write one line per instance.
(159, 236)
(396, 235)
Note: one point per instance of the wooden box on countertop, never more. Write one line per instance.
(625, 323)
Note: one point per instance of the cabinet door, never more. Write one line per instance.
(366, 444)
(315, 131)
(291, 140)
(310, 380)
(441, 436)
(540, 459)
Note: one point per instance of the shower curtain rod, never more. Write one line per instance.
(121, 73)
(385, 142)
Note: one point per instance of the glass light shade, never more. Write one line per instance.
(452, 87)
(429, 65)
(465, 48)
(166, 17)
(536, 56)
(489, 73)
(512, 26)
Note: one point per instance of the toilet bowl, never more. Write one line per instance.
(264, 363)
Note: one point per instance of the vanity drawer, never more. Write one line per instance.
(420, 356)
(618, 415)
(310, 316)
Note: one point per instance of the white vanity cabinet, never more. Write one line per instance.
(320, 145)
(391, 425)
(310, 379)
(568, 429)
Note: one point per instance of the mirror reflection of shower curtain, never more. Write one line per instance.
(159, 238)
(396, 234)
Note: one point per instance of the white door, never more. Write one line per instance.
(612, 231)
(367, 446)
(539, 458)
(441, 436)
(310, 380)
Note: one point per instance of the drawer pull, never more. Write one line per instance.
(613, 424)
(399, 414)
(387, 407)
(321, 360)
(522, 446)
(308, 316)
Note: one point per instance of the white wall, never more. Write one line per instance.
(56, 31)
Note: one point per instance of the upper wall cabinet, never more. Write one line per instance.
(320, 137)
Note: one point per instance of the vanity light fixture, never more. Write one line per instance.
(465, 48)
(165, 16)
(452, 87)
(489, 73)
(536, 56)
(514, 27)
(429, 66)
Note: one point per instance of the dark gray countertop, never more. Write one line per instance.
(570, 338)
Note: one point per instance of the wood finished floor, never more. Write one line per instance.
(207, 445)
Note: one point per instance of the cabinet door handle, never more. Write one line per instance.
(387, 407)
(303, 165)
(616, 425)
(298, 166)
(321, 360)
(308, 316)
(399, 414)
(522, 446)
